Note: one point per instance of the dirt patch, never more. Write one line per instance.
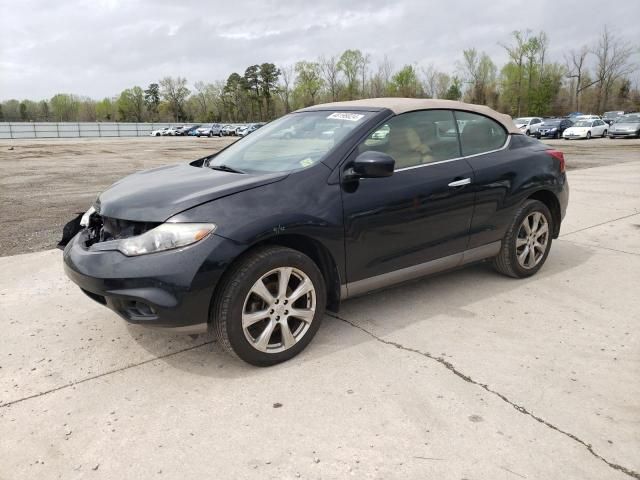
(45, 183)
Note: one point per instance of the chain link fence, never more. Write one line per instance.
(9, 130)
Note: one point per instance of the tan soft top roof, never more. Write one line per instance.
(403, 105)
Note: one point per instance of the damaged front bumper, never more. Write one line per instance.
(173, 288)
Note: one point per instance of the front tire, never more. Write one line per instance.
(526, 244)
(269, 306)
(588, 135)
(604, 134)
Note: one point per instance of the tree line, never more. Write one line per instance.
(591, 78)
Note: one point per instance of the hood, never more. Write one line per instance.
(158, 194)
(577, 129)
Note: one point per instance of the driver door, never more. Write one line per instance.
(422, 212)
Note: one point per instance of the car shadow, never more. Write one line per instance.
(422, 301)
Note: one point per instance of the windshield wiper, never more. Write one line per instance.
(226, 168)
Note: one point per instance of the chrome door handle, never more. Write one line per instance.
(460, 183)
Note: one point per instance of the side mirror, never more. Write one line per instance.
(371, 164)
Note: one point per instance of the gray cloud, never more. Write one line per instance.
(97, 48)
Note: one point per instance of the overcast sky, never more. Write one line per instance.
(99, 47)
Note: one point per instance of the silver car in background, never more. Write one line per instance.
(528, 125)
(209, 130)
(626, 126)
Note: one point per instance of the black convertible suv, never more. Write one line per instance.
(323, 204)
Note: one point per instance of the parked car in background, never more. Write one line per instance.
(158, 132)
(586, 129)
(257, 240)
(209, 130)
(626, 126)
(236, 130)
(227, 130)
(611, 117)
(528, 125)
(587, 117)
(171, 131)
(182, 130)
(572, 116)
(192, 131)
(553, 127)
(249, 128)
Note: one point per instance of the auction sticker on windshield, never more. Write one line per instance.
(352, 117)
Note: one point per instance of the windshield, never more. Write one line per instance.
(522, 120)
(583, 123)
(632, 118)
(295, 141)
(551, 123)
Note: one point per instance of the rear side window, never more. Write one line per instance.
(416, 138)
(479, 134)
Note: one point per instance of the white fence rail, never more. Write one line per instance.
(9, 130)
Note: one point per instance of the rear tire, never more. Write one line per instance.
(237, 305)
(515, 258)
(588, 135)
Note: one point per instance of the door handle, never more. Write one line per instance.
(460, 183)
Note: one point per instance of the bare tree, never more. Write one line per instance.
(366, 59)
(430, 80)
(443, 82)
(287, 79)
(575, 65)
(613, 55)
(330, 73)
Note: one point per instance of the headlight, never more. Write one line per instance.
(84, 221)
(165, 237)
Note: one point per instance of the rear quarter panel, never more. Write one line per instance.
(504, 180)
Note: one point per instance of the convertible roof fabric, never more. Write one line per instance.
(404, 105)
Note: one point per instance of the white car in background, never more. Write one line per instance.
(158, 132)
(528, 125)
(171, 131)
(586, 129)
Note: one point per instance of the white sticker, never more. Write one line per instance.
(306, 162)
(352, 117)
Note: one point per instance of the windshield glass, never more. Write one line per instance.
(522, 120)
(632, 118)
(551, 123)
(295, 141)
(582, 123)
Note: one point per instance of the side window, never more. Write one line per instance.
(534, 121)
(479, 133)
(416, 138)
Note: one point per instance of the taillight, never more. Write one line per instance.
(558, 155)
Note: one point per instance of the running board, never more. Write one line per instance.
(366, 285)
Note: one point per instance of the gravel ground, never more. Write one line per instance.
(45, 182)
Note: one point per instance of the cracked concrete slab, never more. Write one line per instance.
(348, 407)
(622, 235)
(468, 375)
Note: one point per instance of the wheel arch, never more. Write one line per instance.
(553, 204)
(312, 248)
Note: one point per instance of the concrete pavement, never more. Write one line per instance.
(466, 375)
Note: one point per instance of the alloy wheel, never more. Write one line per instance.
(278, 310)
(532, 240)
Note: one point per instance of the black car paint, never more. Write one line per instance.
(356, 229)
(553, 132)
